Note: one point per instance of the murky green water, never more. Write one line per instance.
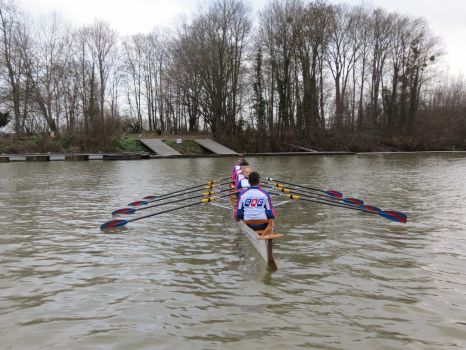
(190, 280)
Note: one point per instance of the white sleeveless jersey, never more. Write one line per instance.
(234, 172)
(242, 182)
(254, 204)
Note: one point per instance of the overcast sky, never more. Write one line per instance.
(446, 17)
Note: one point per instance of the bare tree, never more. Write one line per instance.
(45, 61)
(10, 23)
(342, 55)
(102, 43)
(313, 38)
(279, 25)
(217, 39)
(134, 50)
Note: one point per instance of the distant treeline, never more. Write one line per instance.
(306, 71)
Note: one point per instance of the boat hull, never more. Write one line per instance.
(262, 243)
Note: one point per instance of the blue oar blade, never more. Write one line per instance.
(401, 217)
(370, 208)
(353, 201)
(113, 224)
(124, 211)
(394, 216)
(137, 203)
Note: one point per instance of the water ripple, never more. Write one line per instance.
(189, 278)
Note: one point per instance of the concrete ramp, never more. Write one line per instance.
(160, 147)
(299, 147)
(214, 147)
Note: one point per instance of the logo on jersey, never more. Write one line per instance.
(254, 202)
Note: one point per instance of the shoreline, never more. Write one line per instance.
(46, 157)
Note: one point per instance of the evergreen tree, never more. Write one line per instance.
(258, 100)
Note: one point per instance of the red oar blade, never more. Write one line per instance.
(335, 194)
(113, 224)
(124, 211)
(150, 198)
(137, 203)
(394, 216)
(353, 201)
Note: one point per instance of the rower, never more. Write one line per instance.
(254, 203)
(237, 166)
(242, 181)
(238, 169)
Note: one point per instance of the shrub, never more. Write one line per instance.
(4, 119)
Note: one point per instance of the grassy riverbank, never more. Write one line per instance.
(66, 144)
(242, 143)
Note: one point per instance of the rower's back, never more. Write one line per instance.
(254, 203)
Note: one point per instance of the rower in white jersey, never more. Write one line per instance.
(238, 169)
(242, 181)
(254, 203)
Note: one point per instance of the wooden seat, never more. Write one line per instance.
(263, 234)
(258, 222)
(266, 233)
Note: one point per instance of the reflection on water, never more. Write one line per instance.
(188, 279)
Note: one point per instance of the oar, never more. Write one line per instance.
(133, 210)
(388, 214)
(119, 223)
(331, 193)
(316, 196)
(152, 198)
(397, 215)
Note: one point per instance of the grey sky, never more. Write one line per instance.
(445, 17)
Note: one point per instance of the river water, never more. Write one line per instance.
(190, 280)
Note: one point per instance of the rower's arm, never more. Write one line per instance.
(269, 210)
(239, 209)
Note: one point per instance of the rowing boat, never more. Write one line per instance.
(262, 240)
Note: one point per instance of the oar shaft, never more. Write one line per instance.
(177, 208)
(296, 185)
(329, 201)
(119, 223)
(294, 189)
(317, 196)
(191, 190)
(180, 200)
(194, 188)
(386, 215)
(165, 211)
(335, 204)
